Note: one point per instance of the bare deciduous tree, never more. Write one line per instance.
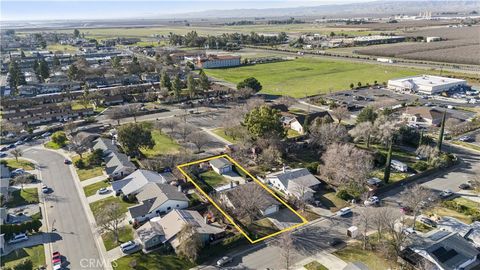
(287, 101)
(116, 113)
(340, 113)
(199, 139)
(417, 198)
(78, 145)
(169, 123)
(344, 164)
(270, 156)
(184, 130)
(189, 242)
(23, 179)
(110, 219)
(364, 220)
(132, 110)
(16, 153)
(385, 129)
(326, 134)
(393, 223)
(247, 198)
(363, 131)
(285, 243)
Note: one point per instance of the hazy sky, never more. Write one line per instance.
(52, 10)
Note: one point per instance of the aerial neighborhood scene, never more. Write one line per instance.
(270, 135)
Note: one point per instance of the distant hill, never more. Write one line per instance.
(343, 10)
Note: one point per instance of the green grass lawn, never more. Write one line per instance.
(310, 76)
(292, 133)
(23, 197)
(394, 176)
(214, 179)
(315, 265)
(125, 234)
(468, 203)
(89, 172)
(52, 145)
(221, 132)
(93, 188)
(152, 261)
(331, 201)
(98, 205)
(163, 145)
(261, 228)
(354, 252)
(21, 163)
(36, 254)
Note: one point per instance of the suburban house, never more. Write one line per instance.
(267, 206)
(423, 116)
(4, 182)
(442, 250)
(156, 199)
(296, 120)
(471, 232)
(294, 182)
(135, 182)
(221, 165)
(117, 165)
(165, 229)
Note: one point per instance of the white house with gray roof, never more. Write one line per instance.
(221, 165)
(294, 182)
(134, 182)
(155, 200)
(117, 165)
(471, 232)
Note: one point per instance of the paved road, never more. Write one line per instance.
(65, 212)
(450, 179)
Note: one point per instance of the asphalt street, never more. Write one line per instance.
(65, 213)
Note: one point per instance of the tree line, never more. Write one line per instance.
(225, 40)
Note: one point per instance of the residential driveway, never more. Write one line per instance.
(234, 177)
(93, 180)
(284, 218)
(34, 240)
(98, 197)
(115, 254)
(327, 259)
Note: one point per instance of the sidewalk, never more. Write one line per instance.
(327, 259)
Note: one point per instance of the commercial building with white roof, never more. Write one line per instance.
(425, 84)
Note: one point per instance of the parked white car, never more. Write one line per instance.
(344, 211)
(374, 200)
(224, 261)
(446, 193)
(103, 191)
(18, 238)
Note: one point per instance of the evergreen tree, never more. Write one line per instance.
(76, 33)
(72, 72)
(442, 130)
(204, 82)
(177, 86)
(388, 163)
(191, 86)
(22, 54)
(17, 77)
(56, 61)
(165, 81)
(43, 70)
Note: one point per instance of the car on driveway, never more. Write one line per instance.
(345, 211)
(3, 149)
(16, 172)
(45, 188)
(128, 246)
(335, 242)
(446, 193)
(372, 201)
(11, 146)
(103, 191)
(224, 260)
(18, 238)
(3, 154)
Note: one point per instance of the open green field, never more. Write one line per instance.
(163, 145)
(36, 254)
(149, 32)
(221, 132)
(310, 76)
(62, 48)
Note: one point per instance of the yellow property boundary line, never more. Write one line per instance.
(180, 168)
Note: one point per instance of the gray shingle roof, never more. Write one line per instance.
(220, 162)
(139, 178)
(153, 195)
(105, 144)
(300, 176)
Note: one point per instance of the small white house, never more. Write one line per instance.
(157, 199)
(399, 166)
(295, 182)
(221, 165)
